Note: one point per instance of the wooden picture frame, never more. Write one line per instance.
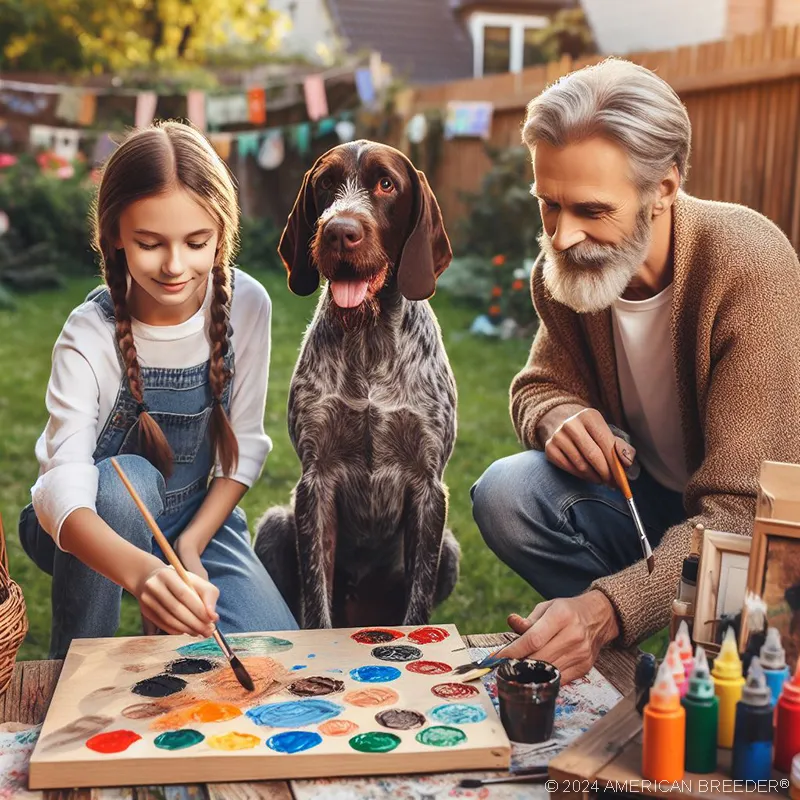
(720, 554)
(773, 570)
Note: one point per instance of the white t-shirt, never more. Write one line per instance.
(86, 376)
(646, 370)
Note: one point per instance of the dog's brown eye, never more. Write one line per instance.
(325, 183)
(386, 185)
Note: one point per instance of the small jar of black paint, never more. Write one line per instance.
(527, 690)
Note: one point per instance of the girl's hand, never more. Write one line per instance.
(172, 606)
(189, 554)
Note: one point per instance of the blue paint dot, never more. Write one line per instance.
(374, 674)
(312, 655)
(458, 713)
(298, 666)
(293, 741)
(294, 713)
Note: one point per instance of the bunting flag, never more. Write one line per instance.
(227, 110)
(302, 138)
(88, 109)
(222, 143)
(272, 151)
(326, 126)
(248, 144)
(103, 148)
(257, 105)
(196, 108)
(365, 86)
(346, 130)
(68, 107)
(403, 102)
(316, 100)
(468, 119)
(146, 103)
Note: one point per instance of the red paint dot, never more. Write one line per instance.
(451, 691)
(429, 667)
(376, 636)
(112, 741)
(428, 635)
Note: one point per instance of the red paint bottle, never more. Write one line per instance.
(787, 723)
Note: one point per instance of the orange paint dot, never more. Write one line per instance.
(201, 712)
(233, 741)
(338, 727)
(374, 696)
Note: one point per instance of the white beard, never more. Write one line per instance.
(588, 277)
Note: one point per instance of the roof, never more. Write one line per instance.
(513, 6)
(423, 40)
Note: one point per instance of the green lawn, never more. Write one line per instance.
(487, 592)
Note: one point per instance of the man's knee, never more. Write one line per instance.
(115, 504)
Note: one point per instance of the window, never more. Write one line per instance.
(503, 42)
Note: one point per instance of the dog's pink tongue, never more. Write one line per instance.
(348, 294)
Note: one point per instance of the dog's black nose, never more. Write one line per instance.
(344, 233)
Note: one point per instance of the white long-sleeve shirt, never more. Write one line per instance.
(85, 380)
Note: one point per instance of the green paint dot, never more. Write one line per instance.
(374, 742)
(177, 740)
(441, 736)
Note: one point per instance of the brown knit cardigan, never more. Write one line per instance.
(736, 344)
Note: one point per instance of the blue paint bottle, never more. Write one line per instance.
(773, 660)
(752, 738)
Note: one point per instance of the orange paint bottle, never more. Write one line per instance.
(663, 747)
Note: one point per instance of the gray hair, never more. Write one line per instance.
(623, 102)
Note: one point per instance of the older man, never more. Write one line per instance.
(669, 322)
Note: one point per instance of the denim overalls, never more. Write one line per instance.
(86, 604)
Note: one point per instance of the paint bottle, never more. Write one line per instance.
(787, 723)
(664, 740)
(683, 604)
(646, 669)
(684, 642)
(702, 718)
(673, 658)
(773, 661)
(728, 683)
(794, 779)
(752, 740)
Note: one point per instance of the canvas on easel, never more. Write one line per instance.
(168, 709)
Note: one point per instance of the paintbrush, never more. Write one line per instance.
(622, 481)
(242, 675)
(484, 666)
(535, 775)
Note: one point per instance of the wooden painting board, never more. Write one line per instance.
(98, 677)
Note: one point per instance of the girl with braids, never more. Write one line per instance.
(164, 367)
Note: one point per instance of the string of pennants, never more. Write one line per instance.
(208, 112)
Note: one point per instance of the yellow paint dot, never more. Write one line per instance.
(233, 741)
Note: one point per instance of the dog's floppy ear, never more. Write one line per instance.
(427, 252)
(296, 239)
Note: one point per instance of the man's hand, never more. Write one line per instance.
(582, 445)
(567, 632)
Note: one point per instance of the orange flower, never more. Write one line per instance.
(498, 261)
(517, 285)
(497, 291)
(494, 310)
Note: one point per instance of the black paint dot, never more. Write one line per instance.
(159, 686)
(191, 666)
(397, 652)
(399, 719)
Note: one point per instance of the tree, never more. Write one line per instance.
(125, 35)
(567, 34)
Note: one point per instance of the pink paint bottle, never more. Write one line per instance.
(684, 642)
(675, 662)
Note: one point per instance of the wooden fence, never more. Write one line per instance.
(743, 99)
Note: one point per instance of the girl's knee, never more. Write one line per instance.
(115, 504)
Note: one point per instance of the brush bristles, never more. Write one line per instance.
(242, 675)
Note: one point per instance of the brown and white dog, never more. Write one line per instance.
(372, 403)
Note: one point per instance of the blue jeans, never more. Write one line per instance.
(561, 533)
(87, 605)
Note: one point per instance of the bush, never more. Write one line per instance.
(259, 244)
(50, 213)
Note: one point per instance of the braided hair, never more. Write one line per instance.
(149, 162)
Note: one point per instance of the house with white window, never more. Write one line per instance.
(424, 41)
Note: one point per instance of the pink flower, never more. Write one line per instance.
(7, 160)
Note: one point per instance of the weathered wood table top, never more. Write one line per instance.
(32, 686)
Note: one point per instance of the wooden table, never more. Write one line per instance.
(33, 683)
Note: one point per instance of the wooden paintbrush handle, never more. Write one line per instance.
(153, 525)
(618, 471)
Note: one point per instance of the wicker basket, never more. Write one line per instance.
(13, 620)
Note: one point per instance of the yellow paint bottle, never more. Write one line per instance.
(728, 684)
